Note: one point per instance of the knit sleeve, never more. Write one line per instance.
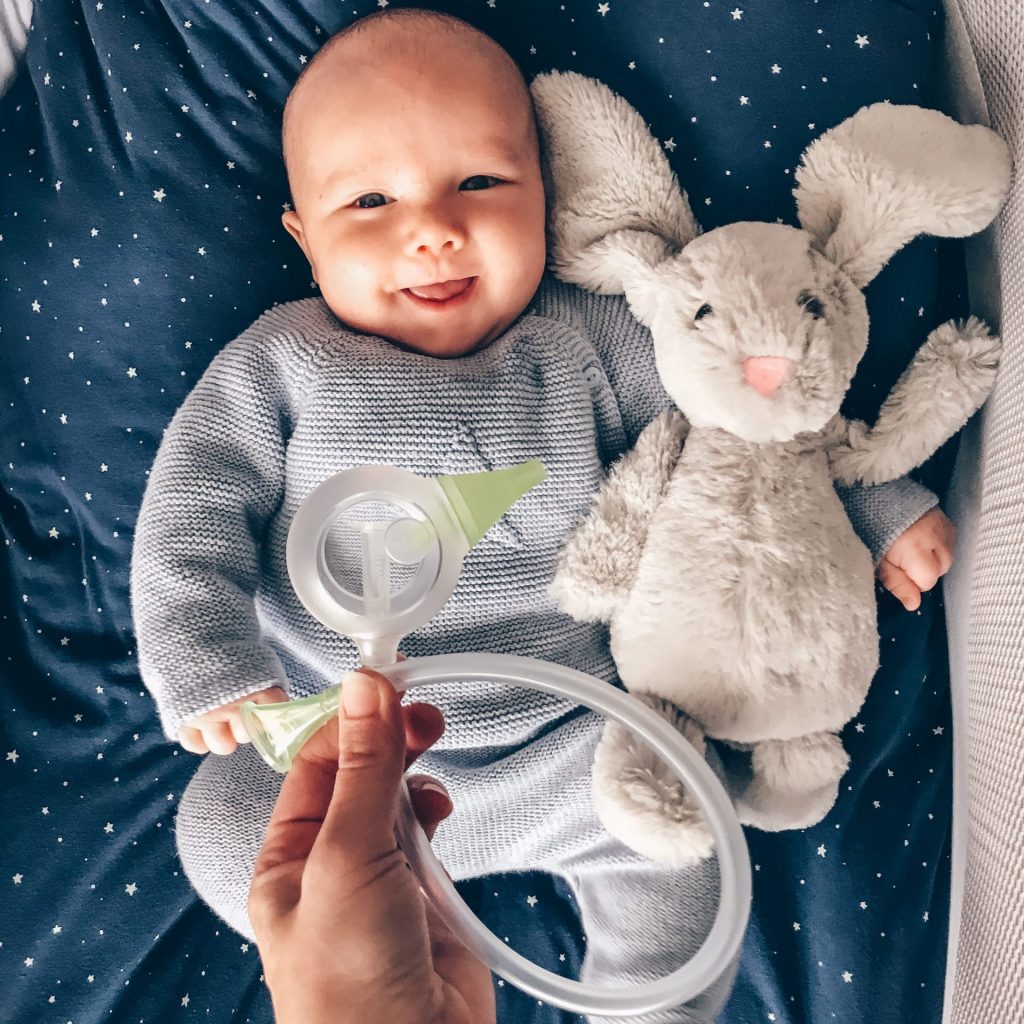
(216, 481)
(880, 514)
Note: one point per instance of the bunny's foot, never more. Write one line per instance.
(640, 800)
(795, 782)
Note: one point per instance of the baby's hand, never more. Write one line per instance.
(221, 730)
(919, 557)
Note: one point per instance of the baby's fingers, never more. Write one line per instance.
(192, 740)
(923, 568)
(238, 732)
(899, 584)
(219, 738)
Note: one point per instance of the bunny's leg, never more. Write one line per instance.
(795, 782)
(597, 567)
(639, 799)
(947, 381)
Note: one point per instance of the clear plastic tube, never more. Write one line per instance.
(723, 942)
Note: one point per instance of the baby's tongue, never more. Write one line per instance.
(444, 290)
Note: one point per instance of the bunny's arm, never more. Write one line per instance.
(598, 565)
(949, 378)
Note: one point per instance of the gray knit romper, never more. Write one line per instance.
(297, 398)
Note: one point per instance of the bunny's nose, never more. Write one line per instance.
(765, 373)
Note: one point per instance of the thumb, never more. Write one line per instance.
(359, 824)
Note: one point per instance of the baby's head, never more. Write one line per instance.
(413, 161)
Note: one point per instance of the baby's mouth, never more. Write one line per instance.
(441, 291)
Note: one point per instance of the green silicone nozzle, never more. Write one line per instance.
(279, 731)
(481, 499)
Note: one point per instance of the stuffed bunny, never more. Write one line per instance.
(741, 603)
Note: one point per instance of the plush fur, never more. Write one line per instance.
(741, 602)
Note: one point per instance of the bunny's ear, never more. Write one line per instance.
(890, 173)
(615, 208)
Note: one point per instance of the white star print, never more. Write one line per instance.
(670, 145)
(17, 878)
(35, 306)
(744, 101)
(108, 828)
(862, 41)
(159, 195)
(54, 532)
(603, 9)
(132, 372)
(131, 888)
(531, 900)
(737, 14)
(776, 69)
(12, 756)
(184, 1001)
(128, 137)
(847, 977)
(821, 850)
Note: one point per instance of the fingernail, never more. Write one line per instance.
(432, 784)
(359, 696)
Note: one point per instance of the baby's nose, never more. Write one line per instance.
(765, 373)
(436, 232)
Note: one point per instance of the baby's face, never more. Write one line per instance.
(418, 195)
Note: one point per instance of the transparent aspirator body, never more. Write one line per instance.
(375, 552)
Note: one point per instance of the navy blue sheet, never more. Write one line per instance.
(140, 191)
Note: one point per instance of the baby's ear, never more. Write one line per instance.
(615, 207)
(890, 173)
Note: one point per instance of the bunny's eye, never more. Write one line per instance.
(704, 311)
(812, 304)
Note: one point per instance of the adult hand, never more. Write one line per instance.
(345, 934)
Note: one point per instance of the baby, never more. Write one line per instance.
(414, 166)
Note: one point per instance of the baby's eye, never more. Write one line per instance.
(812, 304)
(478, 182)
(371, 201)
(704, 311)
